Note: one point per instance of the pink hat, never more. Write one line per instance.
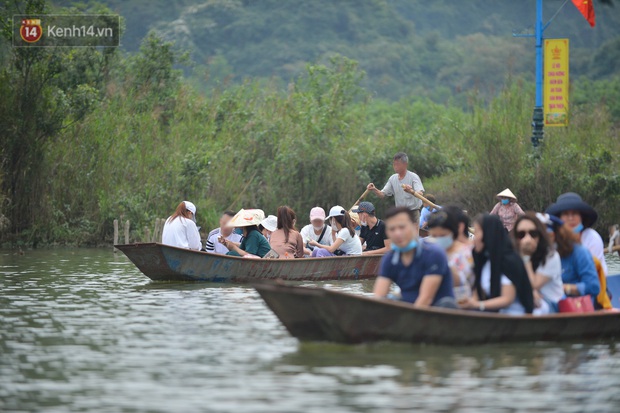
(317, 213)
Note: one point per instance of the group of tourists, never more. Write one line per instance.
(544, 258)
(517, 262)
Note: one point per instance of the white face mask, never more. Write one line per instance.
(319, 228)
(364, 223)
(334, 223)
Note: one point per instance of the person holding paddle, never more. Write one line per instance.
(399, 183)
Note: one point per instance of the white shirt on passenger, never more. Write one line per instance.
(516, 308)
(394, 188)
(553, 290)
(181, 232)
(307, 233)
(216, 247)
(352, 245)
(594, 243)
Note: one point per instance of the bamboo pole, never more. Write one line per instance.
(421, 198)
(360, 199)
(115, 234)
(147, 234)
(127, 232)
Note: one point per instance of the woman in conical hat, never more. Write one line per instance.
(507, 209)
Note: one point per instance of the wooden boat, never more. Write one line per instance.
(317, 314)
(162, 262)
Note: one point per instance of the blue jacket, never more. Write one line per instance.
(578, 268)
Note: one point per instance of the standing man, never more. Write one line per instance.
(399, 183)
(373, 230)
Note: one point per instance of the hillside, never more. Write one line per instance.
(406, 47)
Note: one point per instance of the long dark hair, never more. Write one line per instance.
(539, 257)
(251, 228)
(286, 220)
(566, 240)
(499, 250)
(345, 221)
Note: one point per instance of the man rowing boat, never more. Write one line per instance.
(400, 184)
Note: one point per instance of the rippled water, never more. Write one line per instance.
(84, 331)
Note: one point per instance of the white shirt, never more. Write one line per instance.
(485, 282)
(216, 247)
(351, 245)
(182, 233)
(594, 243)
(553, 290)
(307, 233)
(394, 188)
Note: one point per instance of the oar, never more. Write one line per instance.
(421, 198)
(360, 199)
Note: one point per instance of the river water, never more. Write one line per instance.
(82, 330)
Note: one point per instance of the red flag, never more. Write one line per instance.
(586, 7)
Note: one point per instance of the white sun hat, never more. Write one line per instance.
(246, 218)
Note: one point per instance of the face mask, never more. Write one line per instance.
(412, 244)
(334, 223)
(320, 227)
(505, 201)
(444, 242)
(578, 229)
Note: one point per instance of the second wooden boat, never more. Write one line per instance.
(162, 262)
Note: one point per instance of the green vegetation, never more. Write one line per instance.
(92, 135)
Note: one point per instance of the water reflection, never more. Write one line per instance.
(83, 330)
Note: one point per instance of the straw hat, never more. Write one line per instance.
(246, 218)
(270, 223)
(507, 193)
(571, 201)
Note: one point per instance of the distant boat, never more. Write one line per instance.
(318, 314)
(162, 262)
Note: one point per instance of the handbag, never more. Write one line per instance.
(581, 304)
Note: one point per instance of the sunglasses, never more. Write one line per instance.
(534, 233)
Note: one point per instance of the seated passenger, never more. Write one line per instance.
(180, 228)
(213, 245)
(580, 217)
(285, 240)
(501, 281)
(444, 228)
(346, 241)
(317, 230)
(268, 225)
(542, 262)
(254, 243)
(419, 268)
(373, 230)
(426, 211)
(578, 270)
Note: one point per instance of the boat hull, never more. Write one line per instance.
(162, 262)
(316, 314)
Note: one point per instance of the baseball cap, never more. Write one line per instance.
(317, 213)
(336, 211)
(365, 206)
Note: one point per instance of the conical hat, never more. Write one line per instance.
(507, 193)
(246, 218)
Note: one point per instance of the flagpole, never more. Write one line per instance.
(538, 116)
